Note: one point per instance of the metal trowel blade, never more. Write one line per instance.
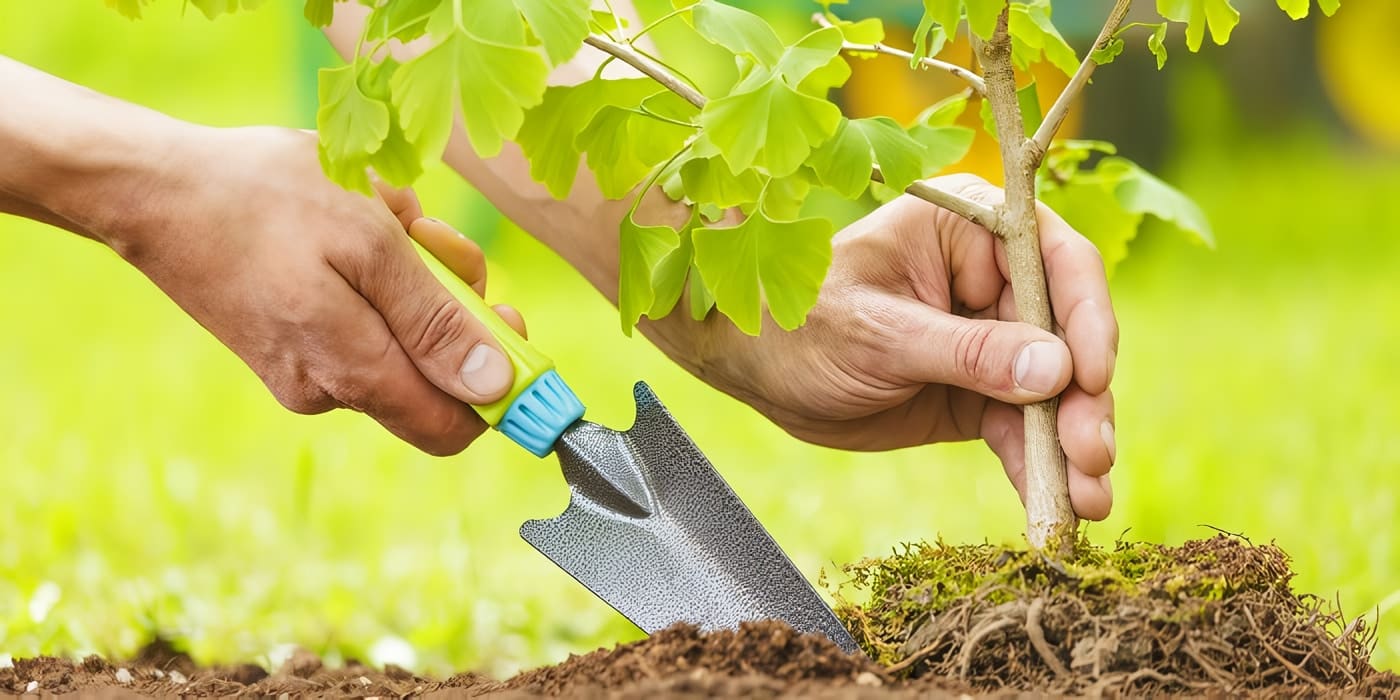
(654, 531)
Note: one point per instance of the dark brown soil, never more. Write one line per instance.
(1220, 620)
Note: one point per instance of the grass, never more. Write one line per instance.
(152, 486)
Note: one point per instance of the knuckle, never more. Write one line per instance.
(304, 399)
(972, 349)
(440, 330)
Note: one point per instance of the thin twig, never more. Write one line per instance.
(1056, 116)
(648, 67)
(972, 79)
(975, 212)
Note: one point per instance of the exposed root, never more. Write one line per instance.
(1211, 616)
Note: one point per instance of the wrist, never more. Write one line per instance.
(91, 163)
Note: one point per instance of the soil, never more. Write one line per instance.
(1213, 617)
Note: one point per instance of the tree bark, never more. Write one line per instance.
(1050, 520)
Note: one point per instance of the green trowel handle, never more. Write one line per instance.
(529, 363)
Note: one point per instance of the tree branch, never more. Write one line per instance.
(648, 67)
(975, 212)
(1056, 116)
(972, 79)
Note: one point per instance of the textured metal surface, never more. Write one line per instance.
(654, 531)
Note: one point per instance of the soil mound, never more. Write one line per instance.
(1211, 616)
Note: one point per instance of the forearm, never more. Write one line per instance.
(77, 159)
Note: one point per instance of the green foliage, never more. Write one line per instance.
(1033, 34)
(784, 261)
(1108, 203)
(1298, 9)
(758, 145)
(1219, 15)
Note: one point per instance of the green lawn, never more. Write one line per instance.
(153, 485)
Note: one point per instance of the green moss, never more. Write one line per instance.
(885, 599)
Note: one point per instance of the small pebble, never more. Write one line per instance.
(123, 676)
(159, 673)
(33, 686)
(177, 677)
(284, 696)
(867, 678)
(364, 681)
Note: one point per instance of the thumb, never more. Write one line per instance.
(1005, 360)
(449, 346)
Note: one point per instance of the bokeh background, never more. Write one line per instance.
(149, 485)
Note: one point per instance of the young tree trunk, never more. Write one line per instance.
(1050, 520)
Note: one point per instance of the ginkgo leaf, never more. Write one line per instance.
(945, 112)
(772, 126)
(494, 83)
(900, 156)
(560, 25)
(1298, 9)
(786, 260)
(710, 180)
(943, 145)
(214, 8)
(1219, 15)
(623, 144)
(350, 126)
(1157, 44)
(844, 161)
(549, 133)
(811, 52)
(700, 298)
(1108, 203)
(929, 39)
(1142, 192)
(396, 161)
(739, 31)
(319, 12)
(404, 20)
(981, 15)
(130, 9)
(668, 278)
(1106, 53)
(1088, 204)
(866, 31)
(1032, 33)
(640, 250)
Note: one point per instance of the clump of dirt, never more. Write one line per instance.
(760, 658)
(1210, 616)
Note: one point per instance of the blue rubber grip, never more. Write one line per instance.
(541, 413)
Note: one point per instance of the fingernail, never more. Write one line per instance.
(486, 371)
(1106, 432)
(1038, 367)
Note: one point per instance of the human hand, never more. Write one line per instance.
(914, 340)
(318, 289)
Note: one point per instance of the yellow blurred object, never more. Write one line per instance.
(1358, 54)
(884, 85)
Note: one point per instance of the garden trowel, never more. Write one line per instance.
(651, 527)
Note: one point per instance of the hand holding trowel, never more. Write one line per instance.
(651, 527)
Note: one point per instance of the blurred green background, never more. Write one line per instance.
(150, 485)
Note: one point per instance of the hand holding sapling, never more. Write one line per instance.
(914, 340)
